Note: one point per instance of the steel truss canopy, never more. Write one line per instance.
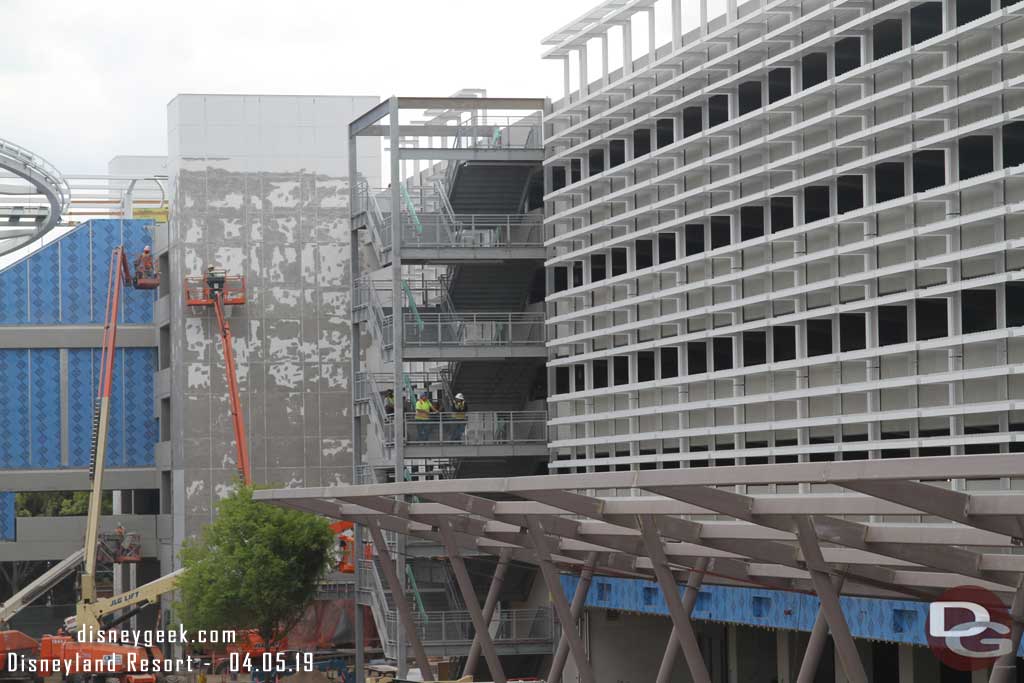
(436, 110)
(932, 537)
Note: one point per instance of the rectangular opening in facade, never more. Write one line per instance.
(645, 366)
(665, 132)
(887, 37)
(641, 142)
(925, 22)
(932, 318)
(889, 181)
(561, 380)
(718, 110)
(621, 369)
(782, 213)
(751, 222)
(694, 238)
(847, 55)
(721, 231)
(693, 121)
(596, 161)
(819, 337)
(1013, 144)
(164, 264)
(892, 325)
(783, 343)
(749, 97)
(755, 348)
(722, 348)
(165, 418)
(780, 84)
(616, 153)
(666, 247)
(165, 347)
(849, 193)
(969, 10)
(579, 377)
(977, 310)
(557, 178)
(644, 253)
(852, 332)
(814, 69)
(601, 373)
(618, 261)
(577, 273)
(575, 170)
(561, 278)
(597, 267)
(816, 203)
(975, 156)
(929, 169)
(1014, 304)
(669, 362)
(696, 358)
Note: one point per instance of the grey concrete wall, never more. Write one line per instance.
(258, 187)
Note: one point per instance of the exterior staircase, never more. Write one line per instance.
(484, 188)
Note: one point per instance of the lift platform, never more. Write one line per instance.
(218, 289)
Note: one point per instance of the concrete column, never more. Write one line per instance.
(783, 670)
(906, 663)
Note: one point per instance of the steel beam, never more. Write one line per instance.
(830, 607)
(401, 602)
(490, 603)
(682, 627)
(693, 582)
(816, 643)
(482, 634)
(579, 601)
(1005, 668)
(562, 610)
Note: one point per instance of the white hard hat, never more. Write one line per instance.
(145, 248)
(460, 396)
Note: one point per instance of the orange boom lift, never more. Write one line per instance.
(218, 289)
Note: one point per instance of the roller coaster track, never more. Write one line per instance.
(33, 196)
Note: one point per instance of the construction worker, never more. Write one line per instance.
(215, 279)
(144, 265)
(389, 401)
(424, 415)
(458, 418)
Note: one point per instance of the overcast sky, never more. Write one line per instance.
(84, 80)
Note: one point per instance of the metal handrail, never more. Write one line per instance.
(474, 329)
(477, 428)
(473, 230)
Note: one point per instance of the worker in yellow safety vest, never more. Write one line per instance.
(457, 428)
(424, 414)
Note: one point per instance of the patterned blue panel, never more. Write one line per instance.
(898, 621)
(138, 304)
(76, 296)
(45, 389)
(14, 408)
(44, 284)
(140, 428)
(81, 394)
(8, 522)
(106, 235)
(14, 294)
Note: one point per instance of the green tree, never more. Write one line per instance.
(59, 503)
(255, 567)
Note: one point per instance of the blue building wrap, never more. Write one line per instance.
(7, 521)
(65, 283)
(897, 621)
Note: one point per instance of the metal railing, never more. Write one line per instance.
(473, 329)
(478, 428)
(471, 231)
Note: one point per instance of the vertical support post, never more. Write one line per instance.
(677, 25)
(829, 597)
(783, 667)
(816, 643)
(1006, 666)
(562, 610)
(579, 601)
(357, 443)
(402, 603)
(397, 335)
(693, 582)
(906, 663)
(682, 627)
(482, 634)
(489, 605)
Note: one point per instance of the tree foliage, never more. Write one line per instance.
(255, 567)
(58, 503)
